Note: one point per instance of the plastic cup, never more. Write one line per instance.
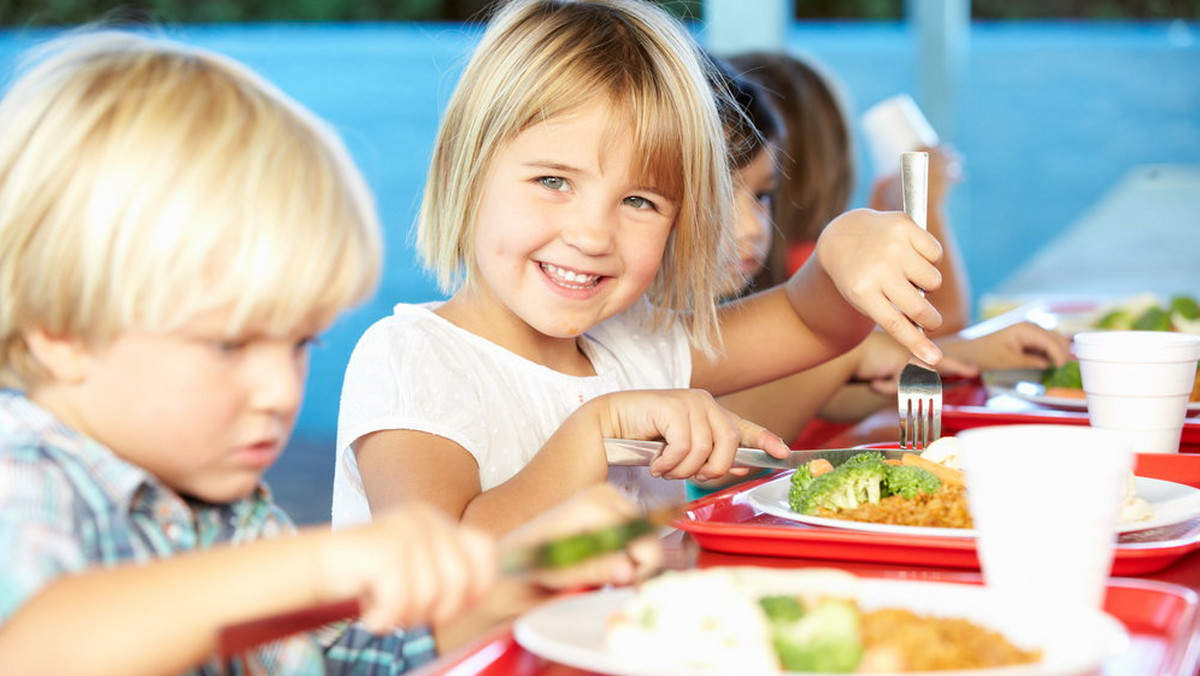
(895, 126)
(1046, 500)
(1138, 383)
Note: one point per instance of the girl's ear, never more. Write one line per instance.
(65, 359)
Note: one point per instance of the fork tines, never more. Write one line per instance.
(920, 407)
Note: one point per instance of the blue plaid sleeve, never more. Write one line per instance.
(351, 650)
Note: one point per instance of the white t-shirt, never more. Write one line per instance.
(417, 371)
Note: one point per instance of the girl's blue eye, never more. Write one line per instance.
(639, 202)
(553, 182)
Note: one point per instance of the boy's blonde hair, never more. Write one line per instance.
(142, 182)
(542, 58)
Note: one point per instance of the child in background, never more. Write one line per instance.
(156, 203)
(757, 133)
(816, 172)
(579, 196)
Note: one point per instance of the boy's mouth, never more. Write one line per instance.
(570, 278)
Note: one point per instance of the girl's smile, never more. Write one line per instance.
(568, 233)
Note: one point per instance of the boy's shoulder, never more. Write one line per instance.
(40, 457)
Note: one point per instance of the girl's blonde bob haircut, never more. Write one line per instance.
(542, 58)
(143, 182)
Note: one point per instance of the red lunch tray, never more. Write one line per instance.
(1161, 619)
(727, 522)
(968, 404)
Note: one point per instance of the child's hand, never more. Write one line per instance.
(409, 566)
(701, 435)
(879, 262)
(595, 507)
(1018, 346)
(881, 359)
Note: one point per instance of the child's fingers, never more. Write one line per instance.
(467, 568)
(959, 368)
(640, 559)
(900, 328)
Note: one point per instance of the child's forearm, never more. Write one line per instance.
(160, 617)
(571, 460)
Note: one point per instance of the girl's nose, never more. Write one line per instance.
(591, 231)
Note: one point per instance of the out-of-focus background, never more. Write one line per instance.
(1051, 102)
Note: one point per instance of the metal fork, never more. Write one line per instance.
(919, 390)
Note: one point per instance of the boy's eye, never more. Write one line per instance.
(229, 346)
(307, 343)
(553, 182)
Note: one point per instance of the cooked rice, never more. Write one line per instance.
(946, 508)
(926, 643)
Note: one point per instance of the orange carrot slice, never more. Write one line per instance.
(949, 476)
(819, 466)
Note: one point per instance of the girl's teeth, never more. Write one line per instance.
(570, 276)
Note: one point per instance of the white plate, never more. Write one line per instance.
(1026, 385)
(570, 630)
(1171, 503)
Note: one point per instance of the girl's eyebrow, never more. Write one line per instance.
(550, 165)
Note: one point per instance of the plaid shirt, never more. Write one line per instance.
(68, 503)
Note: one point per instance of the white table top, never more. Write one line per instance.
(1143, 236)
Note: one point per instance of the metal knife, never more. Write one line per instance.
(630, 452)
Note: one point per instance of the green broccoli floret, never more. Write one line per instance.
(1185, 306)
(782, 609)
(801, 478)
(843, 488)
(866, 458)
(826, 638)
(1119, 319)
(907, 481)
(1066, 375)
(1153, 319)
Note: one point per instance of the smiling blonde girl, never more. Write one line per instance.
(576, 210)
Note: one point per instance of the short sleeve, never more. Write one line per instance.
(401, 376)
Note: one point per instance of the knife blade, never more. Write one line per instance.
(632, 452)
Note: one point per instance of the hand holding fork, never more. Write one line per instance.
(919, 390)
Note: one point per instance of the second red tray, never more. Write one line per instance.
(727, 522)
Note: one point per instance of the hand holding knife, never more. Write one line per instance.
(555, 554)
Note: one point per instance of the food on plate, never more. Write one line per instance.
(1065, 381)
(1133, 508)
(946, 508)
(866, 487)
(759, 620)
(1149, 313)
(945, 451)
(926, 490)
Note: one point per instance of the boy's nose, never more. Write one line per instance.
(279, 385)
